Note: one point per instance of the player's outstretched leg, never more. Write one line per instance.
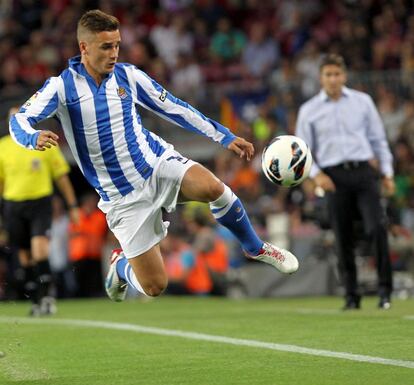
(280, 258)
(229, 211)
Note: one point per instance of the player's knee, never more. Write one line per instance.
(215, 190)
(156, 287)
(154, 290)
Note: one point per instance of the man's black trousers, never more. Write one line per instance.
(357, 195)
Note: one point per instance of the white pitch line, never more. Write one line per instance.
(212, 338)
(409, 317)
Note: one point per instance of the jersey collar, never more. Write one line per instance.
(76, 65)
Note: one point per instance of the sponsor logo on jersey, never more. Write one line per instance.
(163, 95)
(30, 101)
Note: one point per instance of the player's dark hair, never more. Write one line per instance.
(332, 59)
(96, 21)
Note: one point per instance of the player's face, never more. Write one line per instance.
(332, 79)
(100, 52)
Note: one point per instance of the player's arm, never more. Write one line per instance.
(42, 105)
(1, 179)
(1, 200)
(59, 170)
(378, 140)
(154, 97)
(65, 187)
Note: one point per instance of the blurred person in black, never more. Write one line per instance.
(346, 136)
(5, 259)
(26, 186)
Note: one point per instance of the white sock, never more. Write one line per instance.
(132, 279)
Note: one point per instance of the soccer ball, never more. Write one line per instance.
(287, 161)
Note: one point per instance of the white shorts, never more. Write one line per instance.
(136, 219)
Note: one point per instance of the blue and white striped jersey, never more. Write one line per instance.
(103, 128)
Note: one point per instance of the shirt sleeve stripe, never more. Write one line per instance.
(150, 95)
(43, 104)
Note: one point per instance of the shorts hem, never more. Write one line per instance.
(142, 250)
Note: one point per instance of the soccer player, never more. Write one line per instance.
(26, 186)
(135, 172)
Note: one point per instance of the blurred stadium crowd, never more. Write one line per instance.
(248, 63)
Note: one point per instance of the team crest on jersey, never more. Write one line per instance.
(122, 92)
(163, 95)
(30, 101)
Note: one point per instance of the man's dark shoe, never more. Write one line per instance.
(352, 303)
(384, 303)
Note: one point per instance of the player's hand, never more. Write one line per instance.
(46, 139)
(389, 186)
(242, 148)
(324, 182)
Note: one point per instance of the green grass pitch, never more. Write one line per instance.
(115, 348)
